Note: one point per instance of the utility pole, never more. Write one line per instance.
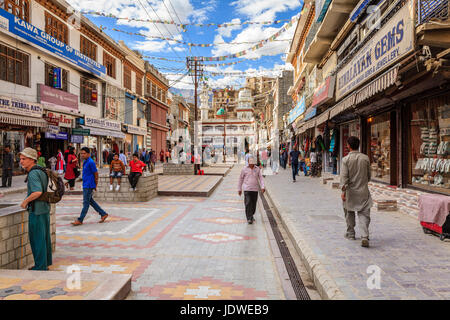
(224, 133)
(195, 69)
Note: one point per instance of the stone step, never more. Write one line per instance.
(44, 285)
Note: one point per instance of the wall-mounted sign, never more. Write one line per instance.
(17, 107)
(94, 95)
(324, 92)
(81, 132)
(41, 39)
(52, 129)
(391, 42)
(60, 119)
(310, 113)
(136, 130)
(102, 123)
(57, 82)
(76, 139)
(57, 136)
(61, 100)
(321, 9)
(297, 111)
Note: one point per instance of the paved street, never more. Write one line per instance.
(175, 247)
(413, 265)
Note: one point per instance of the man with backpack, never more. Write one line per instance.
(90, 182)
(38, 210)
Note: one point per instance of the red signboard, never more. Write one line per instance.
(324, 92)
(57, 98)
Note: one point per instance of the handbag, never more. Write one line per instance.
(76, 172)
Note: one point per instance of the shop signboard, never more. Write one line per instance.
(297, 111)
(392, 41)
(61, 100)
(57, 136)
(103, 123)
(324, 92)
(321, 9)
(81, 132)
(17, 107)
(58, 119)
(38, 37)
(76, 139)
(310, 113)
(136, 130)
(52, 129)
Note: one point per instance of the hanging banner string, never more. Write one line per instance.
(202, 45)
(208, 65)
(256, 47)
(184, 25)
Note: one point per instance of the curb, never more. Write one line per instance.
(324, 283)
(6, 192)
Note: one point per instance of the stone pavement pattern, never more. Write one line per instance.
(413, 265)
(174, 247)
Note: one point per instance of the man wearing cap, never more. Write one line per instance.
(38, 211)
(250, 180)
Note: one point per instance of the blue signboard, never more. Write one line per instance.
(58, 136)
(310, 114)
(57, 78)
(76, 139)
(38, 37)
(297, 111)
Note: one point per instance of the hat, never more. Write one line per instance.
(251, 160)
(29, 153)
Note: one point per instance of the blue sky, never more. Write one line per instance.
(269, 60)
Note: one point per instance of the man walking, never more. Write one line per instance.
(38, 211)
(355, 177)
(7, 167)
(294, 154)
(90, 182)
(123, 158)
(249, 180)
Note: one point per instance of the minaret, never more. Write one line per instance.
(245, 105)
(204, 107)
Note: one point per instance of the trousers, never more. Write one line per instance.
(363, 222)
(250, 199)
(133, 178)
(40, 240)
(88, 200)
(294, 170)
(7, 177)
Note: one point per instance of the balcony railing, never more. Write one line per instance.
(311, 34)
(432, 9)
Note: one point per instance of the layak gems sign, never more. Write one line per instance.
(57, 98)
(103, 123)
(391, 42)
(17, 107)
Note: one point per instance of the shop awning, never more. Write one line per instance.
(343, 105)
(322, 117)
(22, 120)
(105, 133)
(379, 84)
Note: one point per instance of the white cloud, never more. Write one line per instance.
(260, 10)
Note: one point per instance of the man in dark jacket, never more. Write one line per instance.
(7, 168)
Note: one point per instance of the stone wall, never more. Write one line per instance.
(15, 250)
(175, 169)
(147, 189)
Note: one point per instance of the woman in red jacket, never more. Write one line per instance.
(161, 156)
(72, 162)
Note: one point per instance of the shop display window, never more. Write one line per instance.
(16, 141)
(380, 147)
(429, 150)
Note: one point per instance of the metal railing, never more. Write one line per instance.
(432, 9)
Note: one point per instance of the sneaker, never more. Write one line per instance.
(103, 218)
(77, 223)
(118, 187)
(350, 237)
(135, 189)
(110, 187)
(365, 243)
(250, 221)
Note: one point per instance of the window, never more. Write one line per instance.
(127, 77)
(153, 90)
(164, 97)
(49, 77)
(14, 66)
(86, 88)
(148, 88)
(159, 94)
(110, 64)
(56, 28)
(88, 48)
(19, 8)
(139, 85)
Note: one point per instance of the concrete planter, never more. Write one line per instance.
(147, 189)
(15, 250)
(176, 169)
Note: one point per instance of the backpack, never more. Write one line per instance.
(55, 183)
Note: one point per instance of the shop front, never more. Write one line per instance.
(20, 124)
(136, 136)
(104, 134)
(56, 136)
